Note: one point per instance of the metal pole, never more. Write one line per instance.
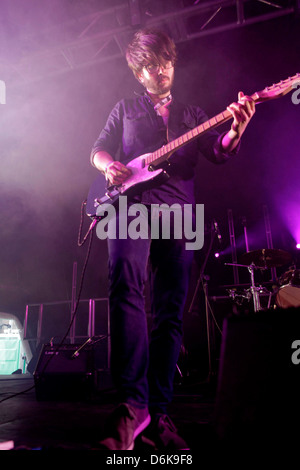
(233, 246)
(39, 325)
(73, 302)
(26, 322)
(91, 327)
(254, 290)
(244, 222)
(269, 238)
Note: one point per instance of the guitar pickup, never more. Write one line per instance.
(112, 194)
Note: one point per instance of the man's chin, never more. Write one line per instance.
(164, 88)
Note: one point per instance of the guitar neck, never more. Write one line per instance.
(162, 154)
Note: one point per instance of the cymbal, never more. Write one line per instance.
(266, 258)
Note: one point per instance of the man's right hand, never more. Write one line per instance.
(116, 172)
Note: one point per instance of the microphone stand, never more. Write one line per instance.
(92, 340)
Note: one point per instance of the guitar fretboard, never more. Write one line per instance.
(160, 155)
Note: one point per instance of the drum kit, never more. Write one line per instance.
(286, 292)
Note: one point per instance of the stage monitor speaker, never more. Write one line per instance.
(258, 390)
(64, 373)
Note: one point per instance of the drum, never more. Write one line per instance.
(288, 294)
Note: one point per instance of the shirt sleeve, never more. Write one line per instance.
(221, 155)
(210, 144)
(110, 137)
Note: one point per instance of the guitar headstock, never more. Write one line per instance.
(278, 89)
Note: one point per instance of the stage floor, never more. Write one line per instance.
(30, 425)
(77, 425)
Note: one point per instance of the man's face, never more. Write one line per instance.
(158, 79)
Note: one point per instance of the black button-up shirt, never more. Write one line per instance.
(133, 128)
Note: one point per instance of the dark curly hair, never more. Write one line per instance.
(149, 46)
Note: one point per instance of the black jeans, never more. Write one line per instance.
(142, 364)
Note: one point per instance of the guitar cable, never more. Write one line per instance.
(92, 225)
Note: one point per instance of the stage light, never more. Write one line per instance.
(217, 255)
(298, 246)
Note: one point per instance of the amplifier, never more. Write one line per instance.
(64, 372)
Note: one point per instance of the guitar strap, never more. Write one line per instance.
(165, 117)
(162, 103)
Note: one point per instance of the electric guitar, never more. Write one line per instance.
(150, 169)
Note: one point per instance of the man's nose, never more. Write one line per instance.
(161, 68)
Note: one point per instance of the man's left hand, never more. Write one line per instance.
(242, 112)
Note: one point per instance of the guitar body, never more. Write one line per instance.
(141, 178)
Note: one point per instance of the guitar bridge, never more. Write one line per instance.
(111, 194)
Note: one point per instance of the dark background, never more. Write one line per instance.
(48, 126)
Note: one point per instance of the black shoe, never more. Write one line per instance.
(123, 426)
(163, 433)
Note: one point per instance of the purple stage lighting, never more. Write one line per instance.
(288, 203)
